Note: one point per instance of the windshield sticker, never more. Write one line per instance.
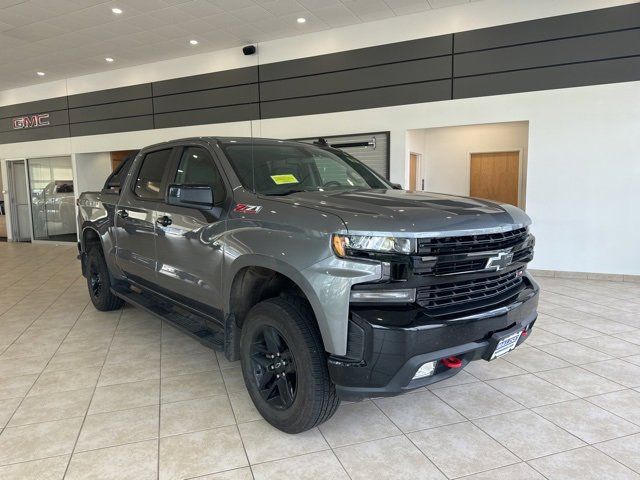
(284, 179)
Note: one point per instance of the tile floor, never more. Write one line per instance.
(85, 394)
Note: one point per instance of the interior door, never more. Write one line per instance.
(135, 218)
(189, 258)
(413, 171)
(19, 202)
(495, 176)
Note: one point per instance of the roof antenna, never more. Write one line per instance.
(322, 142)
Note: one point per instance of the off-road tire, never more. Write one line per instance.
(104, 300)
(315, 399)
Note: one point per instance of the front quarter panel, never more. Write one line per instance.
(97, 212)
(296, 242)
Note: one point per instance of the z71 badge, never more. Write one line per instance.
(243, 208)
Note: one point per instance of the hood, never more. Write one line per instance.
(400, 211)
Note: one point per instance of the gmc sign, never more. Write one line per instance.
(31, 121)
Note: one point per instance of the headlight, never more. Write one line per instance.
(342, 244)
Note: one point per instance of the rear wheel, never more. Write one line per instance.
(99, 282)
(285, 367)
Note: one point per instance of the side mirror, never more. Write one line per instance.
(396, 186)
(191, 196)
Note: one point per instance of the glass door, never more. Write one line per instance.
(52, 200)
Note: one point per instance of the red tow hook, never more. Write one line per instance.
(452, 362)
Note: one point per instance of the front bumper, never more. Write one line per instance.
(391, 343)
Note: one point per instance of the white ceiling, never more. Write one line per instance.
(67, 38)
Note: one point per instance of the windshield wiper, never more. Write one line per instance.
(285, 192)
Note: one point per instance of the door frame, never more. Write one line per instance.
(521, 176)
(419, 174)
(12, 212)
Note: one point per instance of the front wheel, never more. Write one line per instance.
(285, 367)
(99, 282)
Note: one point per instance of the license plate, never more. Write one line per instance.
(506, 345)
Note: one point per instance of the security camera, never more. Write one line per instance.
(249, 49)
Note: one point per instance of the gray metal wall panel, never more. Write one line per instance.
(579, 74)
(122, 94)
(33, 134)
(594, 21)
(206, 98)
(41, 106)
(363, 57)
(555, 52)
(112, 126)
(60, 117)
(131, 108)
(378, 97)
(227, 78)
(359, 79)
(234, 113)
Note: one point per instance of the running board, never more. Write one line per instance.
(185, 321)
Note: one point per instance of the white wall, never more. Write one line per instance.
(445, 165)
(90, 171)
(583, 168)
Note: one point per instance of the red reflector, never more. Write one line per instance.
(524, 333)
(452, 362)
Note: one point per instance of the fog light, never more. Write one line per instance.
(407, 295)
(425, 370)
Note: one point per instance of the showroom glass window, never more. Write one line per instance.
(149, 182)
(198, 168)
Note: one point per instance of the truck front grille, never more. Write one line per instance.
(447, 268)
(471, 243)
(465, 295)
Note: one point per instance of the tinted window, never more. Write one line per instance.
(149, 182)
(198, 168)
(277, 169)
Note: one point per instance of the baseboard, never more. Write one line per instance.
(611, 277)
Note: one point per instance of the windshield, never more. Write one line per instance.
(283, 169)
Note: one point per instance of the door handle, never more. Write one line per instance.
(164, 221)
(122, 213)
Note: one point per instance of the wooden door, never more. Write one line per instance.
(495, 176)
(119, 156)
(413, 171)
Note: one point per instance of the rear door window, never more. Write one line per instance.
(149, 184)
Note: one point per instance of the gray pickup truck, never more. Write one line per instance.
(326, 281)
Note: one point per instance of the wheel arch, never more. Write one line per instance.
(255, 278)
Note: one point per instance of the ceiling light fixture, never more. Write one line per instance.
(40, 74)
(193, 42)
(109, 59)
(301, 20)
(116, 11)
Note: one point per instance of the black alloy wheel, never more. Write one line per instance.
(284, 364)
(95, 281)
(274, 368)
(99, 282)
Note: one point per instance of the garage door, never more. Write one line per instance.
(371, 149)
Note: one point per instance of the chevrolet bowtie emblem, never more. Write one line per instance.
(500, 261)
